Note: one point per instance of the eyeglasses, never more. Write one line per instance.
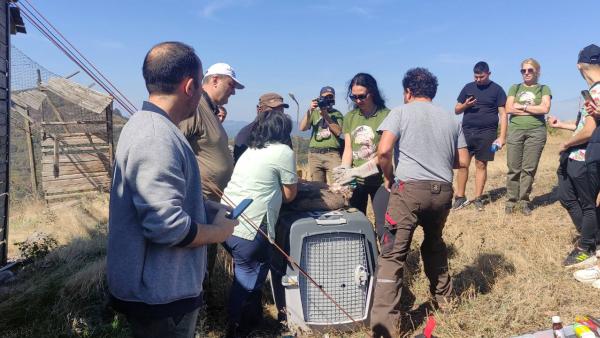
(527, 71)
(358, 97)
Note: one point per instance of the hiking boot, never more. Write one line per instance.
(588, 275)
(460, 202)
(509, 209)
(526, 210)
(579, 258)
(478, 202)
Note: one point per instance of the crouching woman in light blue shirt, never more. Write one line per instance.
(266, 172)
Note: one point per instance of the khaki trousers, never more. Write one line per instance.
(321, 165)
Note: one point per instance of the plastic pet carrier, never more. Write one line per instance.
(338, 250)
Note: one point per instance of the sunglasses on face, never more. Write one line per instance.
(358, 97)
(527, 71)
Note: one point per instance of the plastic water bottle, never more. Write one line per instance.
(557, 327)
(495, 147)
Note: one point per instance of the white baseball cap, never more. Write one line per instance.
(224, 69)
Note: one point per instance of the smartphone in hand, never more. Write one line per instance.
(240, 208)
(587, 96)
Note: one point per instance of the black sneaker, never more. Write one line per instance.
(478, 202)
(460, 202)
(579, 257)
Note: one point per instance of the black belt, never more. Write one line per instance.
(323, 150)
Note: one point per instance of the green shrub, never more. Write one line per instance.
(36, 246)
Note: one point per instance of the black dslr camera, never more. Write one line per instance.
(325, 102)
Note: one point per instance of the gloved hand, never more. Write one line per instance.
(345, 176)
(366, 169)
(339, 171)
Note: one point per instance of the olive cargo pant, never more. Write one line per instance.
(424, 203)
(524, 149)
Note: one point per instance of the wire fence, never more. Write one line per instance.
(24, 71)
(38, 114)
(25, 74)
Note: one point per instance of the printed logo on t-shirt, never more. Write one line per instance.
(323, 131)
(526, 98)
(364, 136)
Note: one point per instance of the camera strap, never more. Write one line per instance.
(323, 123)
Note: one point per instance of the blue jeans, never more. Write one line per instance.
(251, 263)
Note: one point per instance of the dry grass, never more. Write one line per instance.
(507, 270)
(62, 294)
(64, 222)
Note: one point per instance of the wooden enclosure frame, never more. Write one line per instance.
(72, 163)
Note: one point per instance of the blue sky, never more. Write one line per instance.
(294, 46)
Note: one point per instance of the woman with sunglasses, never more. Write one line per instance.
(526, 104)
(361, 137)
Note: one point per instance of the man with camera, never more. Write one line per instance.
(324, 147)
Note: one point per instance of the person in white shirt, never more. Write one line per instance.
(266, 173)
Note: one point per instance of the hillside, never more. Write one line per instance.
(506, 268)
(232, 127)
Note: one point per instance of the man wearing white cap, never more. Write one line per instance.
(208, 138)
(206, 134)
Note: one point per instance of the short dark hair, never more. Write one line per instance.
(421, 82)
(169, 63)
(271, 126)
(369, 82)
(481, 67)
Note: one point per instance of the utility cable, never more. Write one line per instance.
(50, 36)
(78, 52)
(60, 45)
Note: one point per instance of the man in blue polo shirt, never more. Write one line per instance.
(482, 103)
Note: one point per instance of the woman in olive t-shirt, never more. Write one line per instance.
(527, 104)
(360, 135)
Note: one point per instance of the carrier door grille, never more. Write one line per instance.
(332, 259)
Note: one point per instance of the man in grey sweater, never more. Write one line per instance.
(158, 227)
